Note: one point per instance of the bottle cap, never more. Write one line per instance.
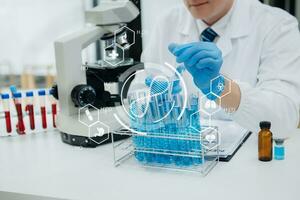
(17, 95)
(13, 89)
(29, 94)
(279, 141)
(42, 92)
(265, 124)
(5, 96)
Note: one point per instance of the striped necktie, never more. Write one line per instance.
(208, 35)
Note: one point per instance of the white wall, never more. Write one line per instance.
(151, 10)
(29, 28)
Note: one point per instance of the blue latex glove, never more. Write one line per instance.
(203, 61)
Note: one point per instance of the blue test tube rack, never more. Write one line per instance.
(166, 141)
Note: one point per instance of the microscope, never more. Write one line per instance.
(90, 93)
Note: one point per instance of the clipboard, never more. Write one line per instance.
(232, 138)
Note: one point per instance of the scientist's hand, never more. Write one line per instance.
(203, 60)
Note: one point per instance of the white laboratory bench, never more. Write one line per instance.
(42, 165)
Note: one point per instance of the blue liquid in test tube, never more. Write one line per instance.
(136, 124)
(195, 123)
(184, 145)
(162, 143)
(173, 131)
(146, 140)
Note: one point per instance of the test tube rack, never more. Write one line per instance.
(184, 158)
(14, 121)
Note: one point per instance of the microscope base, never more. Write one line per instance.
(83, 141)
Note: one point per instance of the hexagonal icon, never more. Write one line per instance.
(208, 106)
(114, 55)
(125, 37)
(195, 122)
(219, 82)
(210, 138)
(88, 115)
(99, 129)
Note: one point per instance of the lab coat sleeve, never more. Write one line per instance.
(275, 97)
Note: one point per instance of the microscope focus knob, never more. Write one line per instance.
(83, 95)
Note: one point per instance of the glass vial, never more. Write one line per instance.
(265, 148)
(279, 151)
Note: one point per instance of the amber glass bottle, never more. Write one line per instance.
(265, 142)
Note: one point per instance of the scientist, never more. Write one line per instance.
(255, 46)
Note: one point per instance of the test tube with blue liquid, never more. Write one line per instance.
(183, 141)
(157, 140)
(195, 123)
(135, 125)
(163, 143)
(147, 140)
(177, 145)
(155, 129)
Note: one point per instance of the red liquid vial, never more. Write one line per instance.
(8, 121)
(20, 125)
(5, 103)
(54, 113)
(44, 117)
(30, 111)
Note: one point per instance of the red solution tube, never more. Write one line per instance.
(20, 125)
(8, 121)
(53, 107)
(54, 113)
(44, 118)
(5, 102)
(42, 94)
(30, 109)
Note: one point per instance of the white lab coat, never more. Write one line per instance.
(261, 52)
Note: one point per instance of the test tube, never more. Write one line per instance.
(135, 123)
(42, 98)
(30, 109)
(13, 90)
(144, 121)
(184, 141)
(53, 108)
(195, 122)
(5, 102)
(18, 103)
(155, 128)
(167, 130)
(194, 108)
